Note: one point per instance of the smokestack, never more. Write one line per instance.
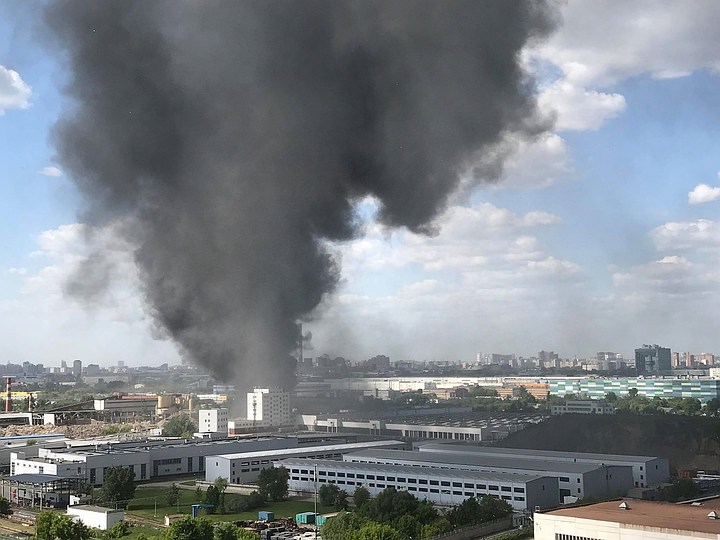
(8, 396)
(30, 402)
(229, 141)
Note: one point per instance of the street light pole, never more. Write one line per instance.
(316, 494)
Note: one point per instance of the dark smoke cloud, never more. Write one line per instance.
(239, 135)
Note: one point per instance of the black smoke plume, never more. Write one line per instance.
(238, 135)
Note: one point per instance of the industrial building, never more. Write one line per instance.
(647, 471)
(244, 467)
(702, 389)
(575, 480)
(96, 517)
(148, 459)
(16, 443)
(629, 520)
(457, 424)
(523, 492)
(584, 406)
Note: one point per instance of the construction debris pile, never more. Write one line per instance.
(74, 431)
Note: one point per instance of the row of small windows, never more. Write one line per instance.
(559, 536)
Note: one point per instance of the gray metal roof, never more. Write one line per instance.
(475, 460)
(410, 470)
(29, 478)
(278, 453)
(523, 453)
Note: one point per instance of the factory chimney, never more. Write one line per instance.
(8, 396)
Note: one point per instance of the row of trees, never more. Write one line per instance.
(398, 515)
(189, 528)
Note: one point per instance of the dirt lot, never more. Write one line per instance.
(94, 429)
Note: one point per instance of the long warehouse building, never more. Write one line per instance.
(148, 459)
(647, 471)
(245, 467)
(522, 492)
(577, 480)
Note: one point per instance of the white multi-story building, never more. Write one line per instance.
(213, 420)
(270, 406)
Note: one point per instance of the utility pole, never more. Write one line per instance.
(316, 495)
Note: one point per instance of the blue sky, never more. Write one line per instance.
(589, 242)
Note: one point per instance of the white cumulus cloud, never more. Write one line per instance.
(703, 193)
(577, 108)
(14, 92)
(50, 171)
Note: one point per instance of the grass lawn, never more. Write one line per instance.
(147, 530)
(143, 505)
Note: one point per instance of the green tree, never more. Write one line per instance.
(408, 526)
(5, 508)
(172, 494)
(327, 494)
(189, 528)
(632, 393)
(64, 528)
(341, 502)
(118, 486)
(713, 406)
(378, 531)
(426, 513)
(611, 397)
(43, 525)
(118, 530)
(361, 496)
(390, 505)
(343, 526)
(212, 497)
(244, 534)
(273, 483)
(225, 531)
(437, 527)
(472, 511)
(180, 425)
(221, 485)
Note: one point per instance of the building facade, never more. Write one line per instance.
(271, 406)
(653, 360)
(245, 467)
(575, 480)
(522, 492)
(213, 420)
(702, 389)
(586, 406)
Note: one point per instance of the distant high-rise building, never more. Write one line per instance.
(652, 360)
(77, 368)
(270, 406)
(213, 420)
(606, 357)
(502, 359)
(706, 359)
(121, 363)
(687, 359)
(675, 359)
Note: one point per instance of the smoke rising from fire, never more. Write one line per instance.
(237, 136)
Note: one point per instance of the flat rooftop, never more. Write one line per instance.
(405, 470)
(656, 515)
(475, 460)
(546, 454)
(472, 419)
(348, 447)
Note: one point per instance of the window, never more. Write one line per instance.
(506, 497)
(564, 479)
(331, 473)
(434, 490)
(361, 476)
(494, 488)
(421, 481)
(351, 475)
(380, 477)
(244, 470)
(457, 484)
(321, 473)
(401, 479)
(434, 483)
(519, 498)
(480, 486)
(446, 484)
(412, 480)
(457, 492)
(371, 477)
(578, 480)
(519, 490)
(505, 488)
(341, 475)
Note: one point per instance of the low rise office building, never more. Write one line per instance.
(440, 486)
(583, 406)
